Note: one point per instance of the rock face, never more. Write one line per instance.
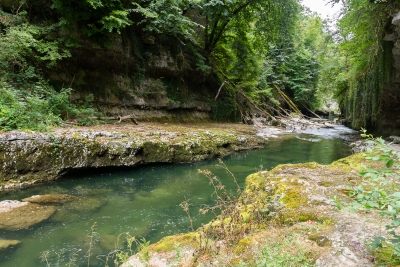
(389, 114)
(26, 158)
(16, 215)
(152, 77)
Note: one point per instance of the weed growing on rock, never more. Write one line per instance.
(120, 254)
(234, 218)
(92, 236)
(185, 206)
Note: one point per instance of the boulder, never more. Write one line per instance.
(396, 19)
(16, 215)
(85, 204)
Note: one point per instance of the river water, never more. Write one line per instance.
(144, 201)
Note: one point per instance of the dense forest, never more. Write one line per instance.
(225, 60)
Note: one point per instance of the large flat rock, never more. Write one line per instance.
(16, 215)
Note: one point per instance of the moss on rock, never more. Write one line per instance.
(27, 158)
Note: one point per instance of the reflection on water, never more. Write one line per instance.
(144, 201)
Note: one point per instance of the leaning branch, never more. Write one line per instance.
(118, 118)
(219, 90)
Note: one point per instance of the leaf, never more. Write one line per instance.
(390, 163)
(395, 195)
(377, 243)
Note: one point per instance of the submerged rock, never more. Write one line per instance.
(16, 215)
(85, 204)
(50, 199)
(5, 244)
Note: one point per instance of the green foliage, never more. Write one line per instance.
(166, 16)
(367, 60)
(277, 254)
(92, 17)
(380, 189)
(24, 110)
(39, 108)
(225, 109)
(293, 64)
(24, 51)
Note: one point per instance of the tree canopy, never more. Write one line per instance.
(259, 51)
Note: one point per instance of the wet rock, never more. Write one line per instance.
(394, 139)
(16, 215)
(50, 199)
(7, 205)
(85, 204)
(321, 240)
(5, 244)
(88, 191)
(66, 216)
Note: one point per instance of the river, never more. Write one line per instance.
(144, 201)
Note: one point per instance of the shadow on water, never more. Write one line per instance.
(144, 201)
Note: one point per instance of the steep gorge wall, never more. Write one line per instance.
(389, 119)
(372, 100)
(152, 77)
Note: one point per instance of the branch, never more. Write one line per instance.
(219, 90)
(216, 35)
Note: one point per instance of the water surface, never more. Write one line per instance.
(144, 201)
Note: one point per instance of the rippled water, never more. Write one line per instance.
(144, 201)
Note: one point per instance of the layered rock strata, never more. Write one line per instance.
(28, 157)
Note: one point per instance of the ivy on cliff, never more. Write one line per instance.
(368, 61)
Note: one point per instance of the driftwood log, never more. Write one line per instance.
(118, 118)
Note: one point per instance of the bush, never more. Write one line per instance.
(380, 189)
(38, 107)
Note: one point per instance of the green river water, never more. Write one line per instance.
(144, 201)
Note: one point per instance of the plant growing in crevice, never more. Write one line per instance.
(232, 222)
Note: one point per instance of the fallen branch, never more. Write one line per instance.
(118, 118)
(312, 112)
(132, 118)
(219, 90)
(288, 100)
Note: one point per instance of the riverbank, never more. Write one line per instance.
(286, 214)
(28, 158)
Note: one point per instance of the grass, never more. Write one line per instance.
(281, 253)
